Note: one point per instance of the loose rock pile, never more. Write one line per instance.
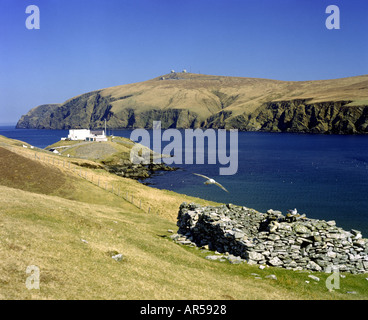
(292, 241)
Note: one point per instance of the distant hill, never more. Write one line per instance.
(187, 100)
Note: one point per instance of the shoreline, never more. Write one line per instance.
(306, 236)
(138, 172)
(323, 213)
(327, 133)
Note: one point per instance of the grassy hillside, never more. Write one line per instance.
(54, 216)
(117, 148)
(186, 100)
(208, 94)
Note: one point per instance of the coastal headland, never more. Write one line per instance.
(188, 100)
(96, 235)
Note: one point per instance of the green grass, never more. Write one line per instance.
(110, 152)
(47, 230)
(287, 279)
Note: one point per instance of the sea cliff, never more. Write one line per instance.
(337, 106)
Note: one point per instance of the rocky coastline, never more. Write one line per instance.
(138, 171)
(336, 106)
(293, 116)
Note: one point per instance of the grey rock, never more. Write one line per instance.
(175, 236)
(255, 256)
(313, 266)
(355, 232)
(214, 257)
(299, 228)
(273, 237)
(313, 277)
(271, 276)
(238, 235)
(331, 254)
(185, 242)
(275, 261)
(234, 259)
(118, 257)
(360, 243)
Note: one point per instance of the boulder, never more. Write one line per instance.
(118, 257)
(275, 261)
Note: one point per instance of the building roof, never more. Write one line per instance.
(97, 132)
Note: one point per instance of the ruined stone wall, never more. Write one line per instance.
(291, 241)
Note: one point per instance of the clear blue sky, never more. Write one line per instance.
(84, 45)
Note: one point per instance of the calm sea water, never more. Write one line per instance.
(323, 176)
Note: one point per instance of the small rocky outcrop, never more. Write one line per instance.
(138, 171)
(289, 241)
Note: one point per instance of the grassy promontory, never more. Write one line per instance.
(188, 100)
(54, 216)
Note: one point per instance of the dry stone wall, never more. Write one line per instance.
(290, 241)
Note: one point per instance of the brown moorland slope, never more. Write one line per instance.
(71, 237)
(186, 100)
(25, 174)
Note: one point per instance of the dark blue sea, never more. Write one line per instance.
(323, 176)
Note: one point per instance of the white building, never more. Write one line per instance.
(87, 135)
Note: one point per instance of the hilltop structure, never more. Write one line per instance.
(86, 135)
